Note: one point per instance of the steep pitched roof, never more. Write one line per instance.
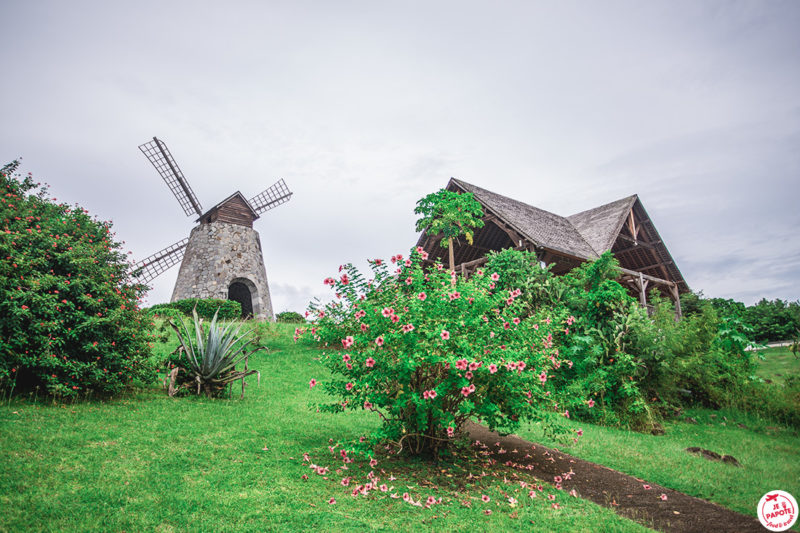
(541, 227)
(600, 226)
(585, 235)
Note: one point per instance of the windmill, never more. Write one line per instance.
(222, 256)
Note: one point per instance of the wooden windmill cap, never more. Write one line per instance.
(235, 209)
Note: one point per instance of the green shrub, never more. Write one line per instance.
(774, 320)
(70, 321)
(427, 351)
(290, 317)
(165, 312)
(637, 367)
(206, 308)
(603, 367)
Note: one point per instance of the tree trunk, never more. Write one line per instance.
(452, 254)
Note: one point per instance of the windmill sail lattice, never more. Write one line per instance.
(148, 269)
(274, 196)
(158, 154)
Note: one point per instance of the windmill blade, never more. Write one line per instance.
(155, 265)
(158, 154)
(277, 194)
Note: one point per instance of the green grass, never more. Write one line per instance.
(146, 462)
(769, 455)
(778, 364)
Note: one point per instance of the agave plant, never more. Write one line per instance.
(212, 355)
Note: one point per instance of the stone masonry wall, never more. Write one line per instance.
(218, 254)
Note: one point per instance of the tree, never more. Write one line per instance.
(451, 214)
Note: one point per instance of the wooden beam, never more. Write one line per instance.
(512, 234)
(632, 226)
(645, 276)
(648, 267)
(638, 246)
(638, 242)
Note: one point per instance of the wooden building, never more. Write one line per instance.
(623, 227)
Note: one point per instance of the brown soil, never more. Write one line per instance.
(624, 494)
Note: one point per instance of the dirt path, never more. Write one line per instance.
(624, 494)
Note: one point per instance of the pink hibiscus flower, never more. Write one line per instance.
(370, 362)
(445, 335)
(492, 368)
(312, 383)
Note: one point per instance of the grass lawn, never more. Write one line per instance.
(146, 462)
(769, 455)
(778, 364)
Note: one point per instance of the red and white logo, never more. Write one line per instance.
(777, 510)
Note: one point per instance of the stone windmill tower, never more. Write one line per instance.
(222, 256)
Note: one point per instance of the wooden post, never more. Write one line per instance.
(643, 290)
(677, 297)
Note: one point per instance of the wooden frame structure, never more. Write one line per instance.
(622, 227)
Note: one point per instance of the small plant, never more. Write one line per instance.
(212, 355)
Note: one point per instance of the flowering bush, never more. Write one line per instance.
(427, 351)
(70, 318)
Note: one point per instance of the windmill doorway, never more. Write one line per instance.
(243, 291)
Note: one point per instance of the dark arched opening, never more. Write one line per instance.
(239, 292)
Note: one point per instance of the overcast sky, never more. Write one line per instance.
(365, 107)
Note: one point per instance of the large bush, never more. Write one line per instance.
(70, 322)
(427, 351)
(636, 366)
